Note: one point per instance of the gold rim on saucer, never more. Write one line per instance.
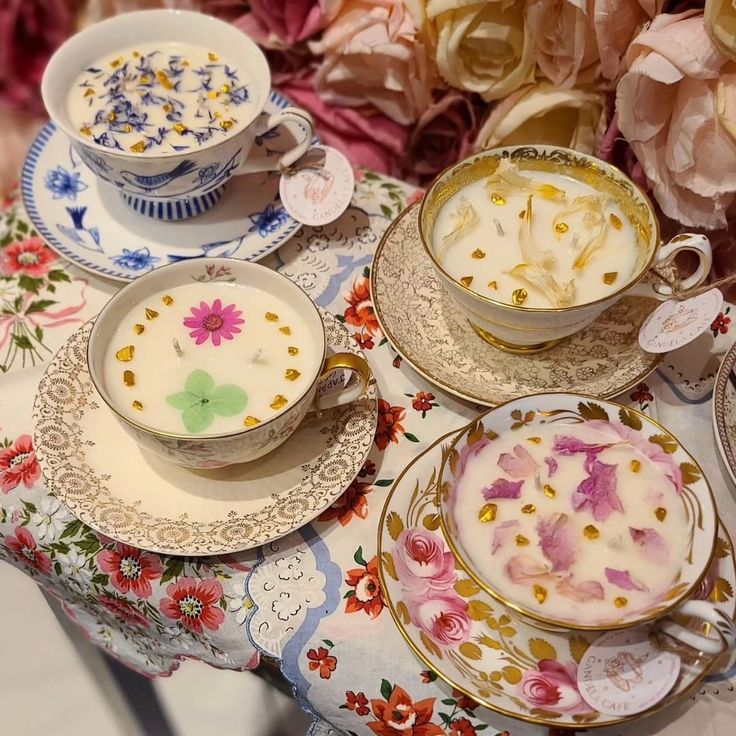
(424, 324)
(490, 666)
(94, 467)
(724, 412)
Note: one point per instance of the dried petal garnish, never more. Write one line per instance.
(622, 579)
(137, 406)
(151, 313)
(279, 402)
(540, 593)
(660, 513)
(125, 355)
(167, 300)
(529, 250)
(591, 532)
(292, 374)
(590, 590)
(651, 543)
(561, 295)
(526, 569)
(609, 277)
(518, 296)
(503, 488)
(463, 219)
(507, 181)
(466, 281)
(598, 492)
(487, 513)
(292, 350)
(556, 541)
(285, 330)
(138, 329)
(251, 421)
(478, 254)
(129, 378)
(519, 465)
(502, 533)
(551, 466)
(521, 540)
(271, 317)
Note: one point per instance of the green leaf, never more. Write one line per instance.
(384, 482)
(39, 305)
(22, 227)
(101, 580)
(88, 545)
(29, 284)
(386, 210)
(370, 176)
(591, 410)
(30, 507)
(328, 642)
(22, 342)
(38, 332)
(228, 400)
(480, 726)
(386, 689)
(358, 557)
(182, 400)
(366, 272)
(349, 594)
(200, 383)
(57, 275)
(51, 289)
(340, 317)
(411, 437)
(172, 571)
(197, 418)
(629, 418)
(448, 701)
(445, 719)
(72, 530)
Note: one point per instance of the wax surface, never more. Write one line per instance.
(577, 546)
(250, 358)
(159, 98)
(489, 249)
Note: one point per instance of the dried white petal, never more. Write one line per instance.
(561, 295)
(463, 219)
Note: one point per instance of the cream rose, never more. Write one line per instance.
(482, 47)
(374, 53)
(720, 20)
(542, 113)
(677, 109)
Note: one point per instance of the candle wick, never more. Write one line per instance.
(177, 348)
(499, 229)
(257, 355)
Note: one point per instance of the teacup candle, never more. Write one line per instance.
(213, 361)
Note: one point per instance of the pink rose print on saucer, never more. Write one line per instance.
(423, 563)
(213, 322)
(444, 618)
(552, 686)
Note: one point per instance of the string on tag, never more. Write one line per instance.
(680, 293)
(313, 160)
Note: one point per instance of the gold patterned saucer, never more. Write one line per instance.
(724, 411)
(474, 643)
(93, 466)
(426, 327)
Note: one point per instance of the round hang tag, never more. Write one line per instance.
(676, 323)
(625, 672)
(318, 194)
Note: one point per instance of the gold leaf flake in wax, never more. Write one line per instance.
(115, 63)
(292, 350)
(528, 508)
(89, 92)
(125, 355)
(151, 313)
(212, 56)
(225, 88)
(561, 295)
(163, 78)
(492, 285)
(285, 330)
(518, 296)
(145, 79)
(660, 513)
(250, 421)
(138, 147)
(540, 593)
(168, 108)
(185, 63)
(615, 221)
(217, 113)
(609, 277)
(620, 602)
(477, 254)
(127, 128)
(226, 124)
(85, 130)
(534, 440)
(138, 329)
(466, 281)
(279, 402)
(521, 540)
(129, 378)
(112, 117)
(137, 406)
(180, 128)
(507, 181)
(561, 228)
(549, 491)
(497, 199)
(292, 374)
(463, 219)
(271, 317)
(591, 532)
(635, 466)
(487, 513)
(136, 54)
(213, 94)
(167, 300)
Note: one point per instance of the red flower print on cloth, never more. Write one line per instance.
(124, 610)
(18, 465)
(423, 401)
(369, 468)
(366, 594)
(360, 313)
(213, 322)
(463, 701)
(389, 429)
(195, 603)
(357, 702)
(352, 503)
(398, 716)
(428, 676)
(24, 547)
(364, 341)
(462, 727)
(130, 569)
(322, 660)
(32, 257)
(642, 394)
(720, 324)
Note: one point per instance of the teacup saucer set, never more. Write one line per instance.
(211, 407)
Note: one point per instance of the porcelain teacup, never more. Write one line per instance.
(172, 185)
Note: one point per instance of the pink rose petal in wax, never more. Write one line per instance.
(519, 465)
(590, 590)
(503, 488)
(503, 533)
(565, 445)
(652, 544)
(557, 542)
(598, 492)
(525, 569)
(622, 579)
(551, 466)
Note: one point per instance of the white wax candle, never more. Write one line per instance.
(159, 98)
(519, 545)
(483, 256)
(243, 356)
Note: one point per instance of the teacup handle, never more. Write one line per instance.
(287, 159)
(685, 241)
(724, 627)
(351, 362)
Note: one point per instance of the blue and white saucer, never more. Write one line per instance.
(87, 221)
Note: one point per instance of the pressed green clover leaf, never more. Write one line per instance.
(201, 400)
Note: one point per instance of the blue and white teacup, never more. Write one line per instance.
(172, 185)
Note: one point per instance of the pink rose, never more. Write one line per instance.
(443, 619)
(442, 136)
(552, 686)
(677, 108)
(365, 136)
(30, 31)
(16, 135)
(93, 11)
(423, 563)
(374, 53)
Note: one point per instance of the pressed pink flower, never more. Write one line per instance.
(18, 465)
(503, 488)
(444, 618)
(195, 603)
(598, 492)
(587, 591)
(551, 466)
(557, 542)
(565, 445)
(130, 569)
(523, 569)
(552, 686)
(519, 465)
(24, 547)
(502, 533)
(423, 563)
(213, 321)
(652, 544)
(623, 579)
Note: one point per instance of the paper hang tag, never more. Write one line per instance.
(625, 672)
(676, 323)
(319, 187)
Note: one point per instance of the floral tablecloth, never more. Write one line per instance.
(313, 599)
